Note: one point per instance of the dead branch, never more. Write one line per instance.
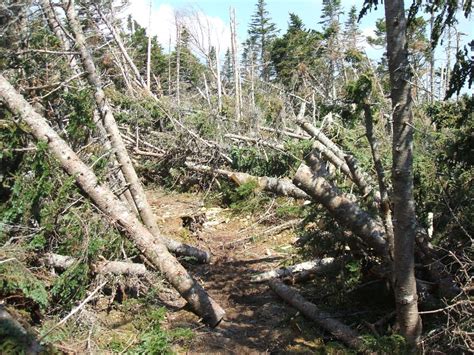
(337, 329)
(346, 212)
(317, 266)
(101, 267)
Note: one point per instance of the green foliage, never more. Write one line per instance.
(155, 340)
(443, 168)
(71, 286)
(78, 106)
(243, 199)
(262, 162)
(17, 282)
(32, 184)
(393, 344)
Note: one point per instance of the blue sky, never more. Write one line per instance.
(214, 14)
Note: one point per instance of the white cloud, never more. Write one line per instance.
(205, 30)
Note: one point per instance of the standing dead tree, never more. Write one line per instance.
(112, 207)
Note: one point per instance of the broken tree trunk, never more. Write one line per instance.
(110, 205)
(346, 212)
(337, 329)
(123, 158)
(317, 266)
(281, 187)
(102, 267)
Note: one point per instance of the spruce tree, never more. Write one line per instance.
(262, 31)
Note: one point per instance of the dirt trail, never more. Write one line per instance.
(256, 321)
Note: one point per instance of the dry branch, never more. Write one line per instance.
(339, 330)
(317, 266)
(110, 205)
(101, 267)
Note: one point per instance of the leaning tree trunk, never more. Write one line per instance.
(402, 174)
(346, 212)
(110, 125)
(110, 205)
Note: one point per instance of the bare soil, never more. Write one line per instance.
(256, 321)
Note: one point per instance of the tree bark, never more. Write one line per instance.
(110, 205)
(102, 267)
(235, 64)
(402, 173)
(346, 212)
(123, 158)
(316, 266)
(337, 329)
(281, 187)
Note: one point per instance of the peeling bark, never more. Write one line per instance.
(110, 205)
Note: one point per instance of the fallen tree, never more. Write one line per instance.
(157, 253)
(101, 267)
(281, 187)
(346, 212)
(336, 328)
(110, 125)
(316, 266)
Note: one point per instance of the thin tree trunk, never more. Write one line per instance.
(110, 205)
(280, 187)
(235, 64)
(337, 329)
(148, 56)
(346, 212)
(402, 173)
(384, 206)
(178, 62)
(113, 132)
(122, 48)
(317, 266)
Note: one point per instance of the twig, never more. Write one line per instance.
(75, 310)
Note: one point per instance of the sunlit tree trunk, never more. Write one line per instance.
(402, 173)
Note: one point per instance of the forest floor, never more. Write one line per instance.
(146, 315)
(256, 321)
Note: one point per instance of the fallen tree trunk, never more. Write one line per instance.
(101, 267)
(281, 187)
(321, 266)
(336, 156)
(8, 323)
(346, 212)
(337, 329)
(111, 206)
(131, 177)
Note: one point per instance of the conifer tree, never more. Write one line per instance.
(262, 31)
